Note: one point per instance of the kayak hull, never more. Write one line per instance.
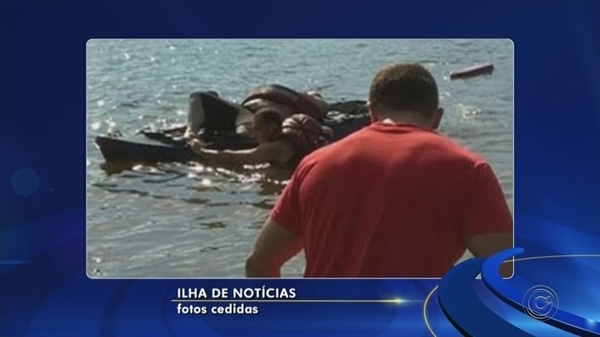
(140, 151)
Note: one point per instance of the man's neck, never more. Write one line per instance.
(407, 118)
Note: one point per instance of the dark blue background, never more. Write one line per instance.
(44, 289)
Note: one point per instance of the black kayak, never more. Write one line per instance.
(164, 146)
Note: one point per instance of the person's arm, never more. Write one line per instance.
(488, 228)
(264, 153)
(485, 245)
(274, 246)
(280, 238)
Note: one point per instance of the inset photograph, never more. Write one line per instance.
(297, 158)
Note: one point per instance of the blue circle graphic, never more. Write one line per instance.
(25, 182)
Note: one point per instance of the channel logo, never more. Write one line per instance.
(540, 302)
(459, 301)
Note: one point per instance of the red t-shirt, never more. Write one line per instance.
(391, 200)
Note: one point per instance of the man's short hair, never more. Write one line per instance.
(404, 87)
(269, 116)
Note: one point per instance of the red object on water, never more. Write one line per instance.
(477, 70)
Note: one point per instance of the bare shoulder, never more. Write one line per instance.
(281, 151)
(283, 146)
(277, 145)
(275, 149)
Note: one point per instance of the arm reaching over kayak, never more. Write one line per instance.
(272, 148)
(281, 143)
(277, 152)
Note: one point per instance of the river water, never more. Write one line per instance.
(180, 220)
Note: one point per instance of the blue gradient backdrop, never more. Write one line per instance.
(44, 289)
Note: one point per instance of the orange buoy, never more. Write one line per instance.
(477, 70)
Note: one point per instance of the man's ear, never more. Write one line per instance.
(437, 118)
(375, 115)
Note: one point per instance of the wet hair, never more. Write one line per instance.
(404, 87)
(269, 116)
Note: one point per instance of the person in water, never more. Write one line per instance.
(395, 199)
(280, 143)
(207, 110)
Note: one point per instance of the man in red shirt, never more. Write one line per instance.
(395, 199)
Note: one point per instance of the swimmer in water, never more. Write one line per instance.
(280, 143)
